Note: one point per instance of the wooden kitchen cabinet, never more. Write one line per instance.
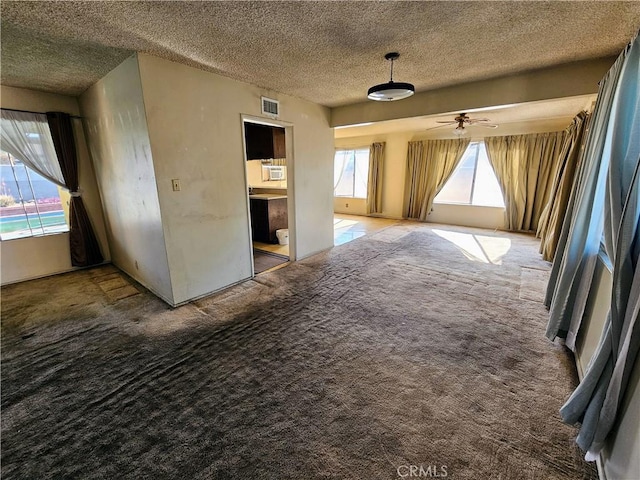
(268, 214)
(264, 142)
(279, 147)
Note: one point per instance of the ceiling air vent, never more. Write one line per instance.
(270, 107)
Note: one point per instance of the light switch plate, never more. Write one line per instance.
(175, 183)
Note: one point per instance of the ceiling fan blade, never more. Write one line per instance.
(477, 120)
(439, 126)
(486, 125)
(450, 122)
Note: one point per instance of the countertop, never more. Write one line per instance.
(266, 196)
(270, 186)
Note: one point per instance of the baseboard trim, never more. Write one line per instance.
(61, 272)
(198, 297)
(315, 253)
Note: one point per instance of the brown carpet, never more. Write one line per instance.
(394, 350)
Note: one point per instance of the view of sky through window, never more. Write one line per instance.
(473, 182)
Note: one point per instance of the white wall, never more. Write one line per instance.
(468, 216)
(28, 258)
(196, 133)
(351, 206)
(34, 257)
(116, 125)
(620, 458)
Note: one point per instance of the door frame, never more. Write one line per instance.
(291, 211)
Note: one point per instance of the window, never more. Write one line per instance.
(351, 173)
(29, 203)
(473, 182)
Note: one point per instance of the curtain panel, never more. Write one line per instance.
(339, 171)
(579, 241)
(430, 164)
(374, 185)
(598, 398)
(85, 250)
(27, 137)
(525, 166)
(553, 214)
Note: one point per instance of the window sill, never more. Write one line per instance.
(467, 205)
(40, 235)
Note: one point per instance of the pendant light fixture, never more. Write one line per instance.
(390, 91)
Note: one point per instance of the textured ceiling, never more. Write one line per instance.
(328, 52)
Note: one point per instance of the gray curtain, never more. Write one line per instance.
(430, 163)
(597, 399)
(579, 242)
(374, 185)
(553, 215)
(525, 167)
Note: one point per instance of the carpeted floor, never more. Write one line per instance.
(401, 348)
(263, 261)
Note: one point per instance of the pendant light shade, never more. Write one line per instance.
(390, 91)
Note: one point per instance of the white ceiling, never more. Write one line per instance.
(328, 52)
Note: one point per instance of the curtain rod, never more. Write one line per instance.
(39, 113)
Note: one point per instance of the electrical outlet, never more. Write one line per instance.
(175, 183)
(346, 205)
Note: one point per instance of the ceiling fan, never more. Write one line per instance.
(463, 119)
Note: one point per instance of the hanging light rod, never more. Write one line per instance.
(390, 91)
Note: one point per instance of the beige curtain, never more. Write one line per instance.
(525, 166)
(430, 163)
(374, 186)
(552, 217)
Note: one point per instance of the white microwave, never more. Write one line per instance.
(274, 173)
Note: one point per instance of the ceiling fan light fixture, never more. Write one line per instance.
(460, 131)
(461, 120)
(390, 91)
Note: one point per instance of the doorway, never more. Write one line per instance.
(268, 187)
